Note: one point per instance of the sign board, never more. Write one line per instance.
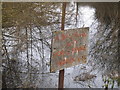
(69, 48)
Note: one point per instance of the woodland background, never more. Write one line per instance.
(26, 44)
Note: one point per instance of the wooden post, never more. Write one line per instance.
(61, 72)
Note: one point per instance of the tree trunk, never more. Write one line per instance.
(3, 80)
(119, 35)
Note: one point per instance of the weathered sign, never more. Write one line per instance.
(69, 48)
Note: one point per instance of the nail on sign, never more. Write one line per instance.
(69, 48)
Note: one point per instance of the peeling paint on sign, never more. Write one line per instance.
(69, 48)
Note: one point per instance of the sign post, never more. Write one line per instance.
(61, 72)
(69, 48)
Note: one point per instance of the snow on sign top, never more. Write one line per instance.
(69, 48)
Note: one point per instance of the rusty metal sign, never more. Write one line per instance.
(69, 48)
